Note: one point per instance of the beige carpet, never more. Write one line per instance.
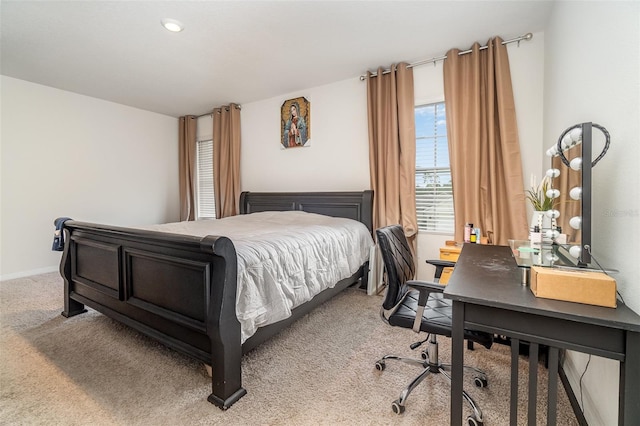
(91, 370)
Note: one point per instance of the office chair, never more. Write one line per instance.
(420, 306)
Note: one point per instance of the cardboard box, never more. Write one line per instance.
(589, 287)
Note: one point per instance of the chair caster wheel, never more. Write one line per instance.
(380, 365)
(397, 408)
(480, 382)
(471, 421)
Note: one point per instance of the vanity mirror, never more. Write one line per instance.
(571, 173)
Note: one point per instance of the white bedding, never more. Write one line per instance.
(284, 258)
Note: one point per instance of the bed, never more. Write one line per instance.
(182, 289)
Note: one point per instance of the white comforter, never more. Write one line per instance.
(284, 258)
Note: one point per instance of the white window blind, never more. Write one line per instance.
(434, 191)
(206, 204)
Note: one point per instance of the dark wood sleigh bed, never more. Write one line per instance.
(181, 290)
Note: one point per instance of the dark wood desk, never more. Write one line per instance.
(487, 295)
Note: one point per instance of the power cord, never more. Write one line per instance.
(581, 377)
(588, 248)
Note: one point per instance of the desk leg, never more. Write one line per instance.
(552, 387)
(513, 408)
(533, 383)
(628, 402)
(457, 362)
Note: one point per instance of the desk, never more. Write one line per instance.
(487, 295)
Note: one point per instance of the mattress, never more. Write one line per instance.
(284, 258)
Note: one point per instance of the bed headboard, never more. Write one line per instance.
(352, 205)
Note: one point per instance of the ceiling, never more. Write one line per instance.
(236, 51)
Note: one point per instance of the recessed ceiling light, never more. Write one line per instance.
(172, 25)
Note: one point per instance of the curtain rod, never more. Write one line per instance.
(211, 112)
(527, 37)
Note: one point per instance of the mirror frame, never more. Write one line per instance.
(586, 180)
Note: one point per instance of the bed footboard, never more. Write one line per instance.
(179, 290)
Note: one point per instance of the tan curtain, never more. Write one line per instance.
(392, 148)
(187, 167)
(226, 160)
(484, 149)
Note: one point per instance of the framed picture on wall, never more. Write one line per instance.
(296, 123)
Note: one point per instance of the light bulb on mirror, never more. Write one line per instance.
(553, 173)
(576, 164)
(553, 193)
(575, 222)
(576, 193)
(553, 214)
(575, 251)
(553, 151)
(552, 234)
(566, 142)
(551, 257)
(575, 135)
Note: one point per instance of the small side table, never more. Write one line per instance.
(450, 254)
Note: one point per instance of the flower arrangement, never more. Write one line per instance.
(537, 194)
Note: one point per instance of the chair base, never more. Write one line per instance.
(430, 364)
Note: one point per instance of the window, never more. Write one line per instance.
(434, 191)
(206, 204)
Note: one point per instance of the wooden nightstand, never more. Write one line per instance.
(451, 254)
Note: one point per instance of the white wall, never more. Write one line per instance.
(65, 154)
(338, 155)
(338, 158)
(592, 73)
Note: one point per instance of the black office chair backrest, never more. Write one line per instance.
(398, 262)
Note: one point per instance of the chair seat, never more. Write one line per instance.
(436, 318)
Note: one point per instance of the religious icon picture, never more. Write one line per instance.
(296, 126)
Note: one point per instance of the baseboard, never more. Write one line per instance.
(582, 421)
(28, 273)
